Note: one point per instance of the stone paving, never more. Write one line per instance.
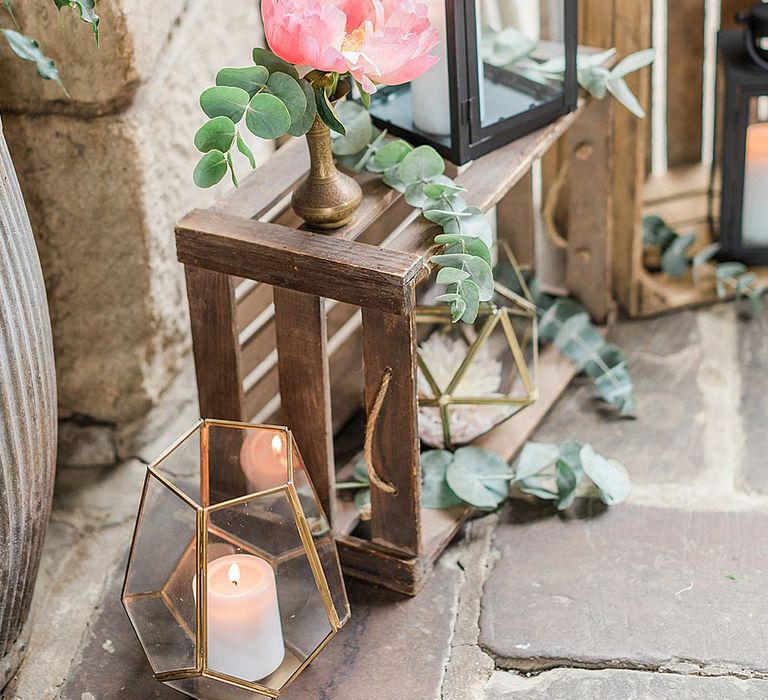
(661, 597)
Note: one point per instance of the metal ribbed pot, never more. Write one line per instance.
(28, 421)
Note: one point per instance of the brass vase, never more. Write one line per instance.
(326, 198)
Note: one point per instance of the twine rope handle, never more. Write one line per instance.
(370, 431)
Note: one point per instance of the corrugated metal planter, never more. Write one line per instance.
(27, 415)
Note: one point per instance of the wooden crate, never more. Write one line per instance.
(292, 325)
(662, 162)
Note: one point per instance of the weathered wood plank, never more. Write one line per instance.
(685, 81)
(515, 219)
(587, 145)
(307, 262)
(215, 344)
(389, 342)
(305, 388)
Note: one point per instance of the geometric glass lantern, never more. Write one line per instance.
(472, 377)
(233, 583)
(484, 91)
(741, 144)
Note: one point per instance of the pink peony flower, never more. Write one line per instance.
(385, 42)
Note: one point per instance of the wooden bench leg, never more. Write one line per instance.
(515, 220)
(590, 218)
(305, 387)
(215, 343)
(389, 341)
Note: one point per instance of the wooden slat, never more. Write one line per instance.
(685, 81)
(215, 344)
(515, 219)
(588, 147)
(251, 305)
(305, 388)
(389, 341)
(679, 182)
(307, 262)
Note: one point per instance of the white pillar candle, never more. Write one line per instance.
(430, 92)
(263, 459)
(245, 636)
(431, 110)
(754, 227)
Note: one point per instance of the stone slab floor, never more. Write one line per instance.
(661, 597)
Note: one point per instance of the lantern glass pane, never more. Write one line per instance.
(322, 536)
(516, 37)
(158, 587)
(181, 465)
(266, 613)
(206, 688)
(754, 228)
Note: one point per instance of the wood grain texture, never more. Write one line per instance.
(589, 199)
(685, 81)
(307, 262)
(389, 341)
(215, 344)
(305, 387)
(515, 219)
(28, 416)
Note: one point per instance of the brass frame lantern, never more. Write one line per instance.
(233, 582)
(507, 310)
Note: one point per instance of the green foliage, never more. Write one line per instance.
(29, 50)
(268, 97)
(86, 10)
(511, 48)
(555, 472)
(419, 173)
(730, 277)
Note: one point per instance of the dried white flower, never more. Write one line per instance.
(443, 355)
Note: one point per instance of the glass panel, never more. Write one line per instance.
(265, 612)
(754, 228)
(182, 466)
(321, 535)
(516, 37)
(245, 460)
(158, 592)
(206, 688)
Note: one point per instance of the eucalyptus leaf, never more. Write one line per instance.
(471, 246)
(458, 307)
(567, 481)
(290, 93)
(263, 57)
(210, 169)
(242, 146)
(303, 124)
(470, 295)
(479, 477)
(359, 128)
(616, 389)
(702, 257)
(266, 116)
(421, 164)
(326, 112)
(362, 502)
(392, 179)
(607, 355)
(451, 275)
(673, 260)
(618, 87)
(442, 187)
(609, 476)
(232, 172)
(414, 195)
(536, 486)
(86, 10)
(216, 134)
(390, 155)
(579, 340)
(555, 316)
(29, 50)
(481, 272)
(435, 492)
(476, 224)
(534, 458)
(251, 78)
(225, 101)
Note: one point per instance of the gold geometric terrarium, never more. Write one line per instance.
(472, 377)
(233, 583)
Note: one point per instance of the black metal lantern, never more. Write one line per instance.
(486, 90)
(740, 208)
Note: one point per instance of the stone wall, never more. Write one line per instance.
(105, 175)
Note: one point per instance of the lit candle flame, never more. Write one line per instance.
(234, 574)
(277, 444)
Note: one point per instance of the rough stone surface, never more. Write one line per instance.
(116, 292)
(575, 684)
(634, 586)
(84, 444)
(753, 360)
(359, 662)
